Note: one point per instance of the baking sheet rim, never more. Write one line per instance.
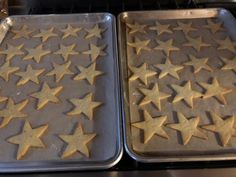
(22, 166)
(126, 117)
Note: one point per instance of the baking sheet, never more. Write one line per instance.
(105, 148)
(160, 149)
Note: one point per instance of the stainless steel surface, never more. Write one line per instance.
(218, 172)
(150, 16)
(106, 149)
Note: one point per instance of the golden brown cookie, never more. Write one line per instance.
(77, 142)
(229, 64)
(153, 95)
(66, 51)
(160, 28)
(223, 127)
(23, 32)
(94, 32)
(139, 45)
(36, 53)
(136, 27)
(70, 31)
(95, 51)
(213, 27)
(141, 73)
(185, 27)
(227, 44)
(30, 137)
(29, 75)
(84, 105)
(6, 70)
(188, 128)
(89, 73)
(166, 46)
(215, 90)
(168, 68)
(195, 43)
(12, 110)
(60, 70)
(46, 34)
(46, 94)
(12, 51)
(185, 93)
(151, 126)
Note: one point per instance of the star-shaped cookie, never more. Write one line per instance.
(229, 64)
(29, 137)
(223, 127)
(188, 128)
(198, 64)
(136, 27)
(70, 31)
(36, 53)
(77, 142)
(141, 73)
(215, 90)
(213, 27)
(6, 70)
(45, 34)
(95, 51)
(3, 98)
(166, 46)
(168, 68)
(139, 45)
(89, 73)
(153, 96)
(66, 51)
(94, 32)
(23, 32)
(185, 27)
(11, 111)
(185, 93)
(160, 28)
(85, 105)
(29, 75)
(46, 95)
(60, 70)
(152, 126)
(226, 44)
(12, 51)
(196, 43)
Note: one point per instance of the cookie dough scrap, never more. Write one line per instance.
(95, 51)
(214, 27)
(89, 73)
(29, 75)
(46, 95)
(223, 127)
(12, 51)
(139, 45)
(94, 32)
(45, 34)
(185, 93)
(160, 28)
(188, 128)
(136, 27)
(195, 43)
(166, 46)
(152, 126)
(227, 44)
(28, 138)
(66, 51)
(153, 96)
(36, 53)
(12, 110)
(77, 142)
(23, 32)
(229, 64)
(85, 105)
(215, 90)
(168, 68)
(141, 73)
(60, 70)
(70, 31)
(185, 27)
(6, 70)
(198, 64)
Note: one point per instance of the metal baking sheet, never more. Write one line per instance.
(159, 149)
(106, 148)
